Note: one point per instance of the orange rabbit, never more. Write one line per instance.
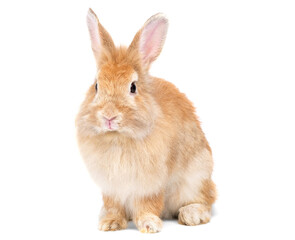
(140, 138)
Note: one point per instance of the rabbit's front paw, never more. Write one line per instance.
(112, 224)
(149, 223)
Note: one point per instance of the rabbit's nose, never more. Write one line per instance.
(108, 122)
(109, 119)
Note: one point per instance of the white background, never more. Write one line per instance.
(234, 59)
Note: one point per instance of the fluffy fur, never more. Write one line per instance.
(154, 161)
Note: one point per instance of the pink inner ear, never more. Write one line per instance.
(152, 39)
(93, 31)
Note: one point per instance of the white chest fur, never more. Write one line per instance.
(125, 169)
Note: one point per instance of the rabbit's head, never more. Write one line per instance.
(120, 101)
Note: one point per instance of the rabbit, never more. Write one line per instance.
(140, 138)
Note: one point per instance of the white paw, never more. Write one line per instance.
(149, 223)
(193, 214)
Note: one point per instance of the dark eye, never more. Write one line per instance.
(96, 87)
(133, 88)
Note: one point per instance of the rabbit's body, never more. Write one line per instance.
(146, 150)
(175, 162)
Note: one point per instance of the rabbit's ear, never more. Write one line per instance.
(150, 39)
(100, 38)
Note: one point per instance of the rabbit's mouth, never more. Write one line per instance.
(111, 128)
(110, 125)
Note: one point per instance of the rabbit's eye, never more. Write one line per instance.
(96, 87)
(133, 88)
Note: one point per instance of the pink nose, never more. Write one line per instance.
(108, 121)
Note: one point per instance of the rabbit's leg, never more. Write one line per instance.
(147, 213)
(112, 216)
(199, 210)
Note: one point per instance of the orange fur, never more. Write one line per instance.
(151, 204)
(157, 161)
(208, 193)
